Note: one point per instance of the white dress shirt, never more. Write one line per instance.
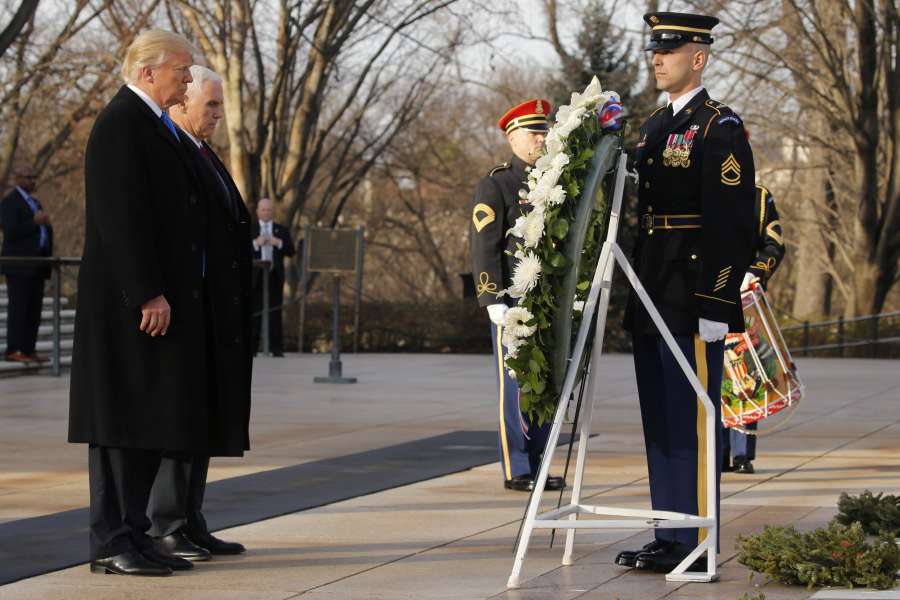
(147, 99)
(265, 229)
(683, 100)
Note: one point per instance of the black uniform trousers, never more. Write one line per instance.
(23, 313)
(674, 425)
(176, 499)
(120, 483)
(276, 297)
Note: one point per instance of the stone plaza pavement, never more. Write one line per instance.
(451, 537)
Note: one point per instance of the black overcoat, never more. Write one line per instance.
(145, 235)
(228, 278)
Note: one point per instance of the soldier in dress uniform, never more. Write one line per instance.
(696, 180)
(768, 242)
(494, 210)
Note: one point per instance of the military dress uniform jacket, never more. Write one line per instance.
(768, 238)
(696, 180)
(495, 208)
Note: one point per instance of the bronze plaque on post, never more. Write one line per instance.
(333, 250)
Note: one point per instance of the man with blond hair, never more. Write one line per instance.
(141, 376)
(176, 501)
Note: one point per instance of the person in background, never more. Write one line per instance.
(739, 449)
(27, 232)
(271, 241)
(495, 207)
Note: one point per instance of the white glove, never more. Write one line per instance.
(749, 278)
(496, 313)
(712, 331)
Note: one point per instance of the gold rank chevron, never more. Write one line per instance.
(487, 216)
(731, 171)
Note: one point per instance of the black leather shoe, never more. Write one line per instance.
(522, 483)
(177, 544)
(626, 558)
(554, 484)
(129, 563)
(743, 465)
(173, 562)
(726, 465)
(665, 561)
(214, 545)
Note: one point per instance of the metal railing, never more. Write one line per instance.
(56, 264)
(854, 332)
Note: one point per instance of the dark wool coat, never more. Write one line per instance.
(146, 234)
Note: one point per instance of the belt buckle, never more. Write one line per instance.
(647, 221)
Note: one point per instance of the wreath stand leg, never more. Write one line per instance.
(567, 516)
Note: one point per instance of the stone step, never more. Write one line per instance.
(15, 368)
(45, 346)
(48, 301)
(66, 314)
(46, 330)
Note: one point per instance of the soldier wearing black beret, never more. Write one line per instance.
(495, 207)
(696, 180)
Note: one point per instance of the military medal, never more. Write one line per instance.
(678, 148)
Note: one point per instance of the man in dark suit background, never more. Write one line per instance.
(271, 241)
(176, 500)
(26, 232)
(142, 381)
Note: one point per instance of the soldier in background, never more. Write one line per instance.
(695, 202)
(739, 449)
(495, 208)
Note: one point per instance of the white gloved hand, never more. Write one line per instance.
(712, 331)
(749, 278)
(496, 313)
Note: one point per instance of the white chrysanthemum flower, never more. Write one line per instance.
(556, 196)
(512, 373)
(578, 306)
(511, 342)
(526, 274)
(518, 228)
(532, 183)
(534, 228)
(554, 143)
(572, 122)
(559, 161)
(541, 164)
(516, 319)
(550, 177)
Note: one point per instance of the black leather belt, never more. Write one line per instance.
(651, 221)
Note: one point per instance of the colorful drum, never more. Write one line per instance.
(760, 379)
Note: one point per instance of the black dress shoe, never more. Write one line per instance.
(173, 562)
(726, 465)
(522, 483)
(214, 545)
(177, 544)
(665, 561)
(131, 562)
(743, 465)
(554, 484)
(626, 558)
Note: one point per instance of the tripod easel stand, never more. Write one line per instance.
(567, 517)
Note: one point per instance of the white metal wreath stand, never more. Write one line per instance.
(567, 517)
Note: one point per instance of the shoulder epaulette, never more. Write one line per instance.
(656, 111)
(501, 167)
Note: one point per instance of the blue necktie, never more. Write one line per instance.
(169, 124)
(32, 204)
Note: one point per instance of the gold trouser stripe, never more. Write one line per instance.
(703, 376)
(507, 468)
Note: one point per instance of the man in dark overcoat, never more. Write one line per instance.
(176, 500)
(26, 232)
(141, 382)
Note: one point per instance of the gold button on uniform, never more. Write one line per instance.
(649, 161)
(646, 185)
